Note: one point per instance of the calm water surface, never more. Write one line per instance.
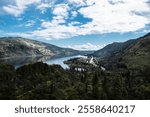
(17, 62)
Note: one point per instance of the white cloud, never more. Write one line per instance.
(43, 7)
(74, 14)
(55, 29)
(61, 9)
(55, 32)
(30, 23)
(122, 17)
(26, 35)
(61, 13)
(13, 10)
(77, 3)
(19, 7)
(106, 17)
(74, 23)
(87, 46)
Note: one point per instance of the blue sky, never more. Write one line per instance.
(78, 24)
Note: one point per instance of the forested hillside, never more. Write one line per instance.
(41, 81)
(126, 76)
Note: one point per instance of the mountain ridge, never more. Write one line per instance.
(133, 53)
(18, 47)
(117, 47)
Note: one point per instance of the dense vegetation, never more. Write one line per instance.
(127, 76)
(42, 81)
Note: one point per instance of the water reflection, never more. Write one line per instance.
(20, 61)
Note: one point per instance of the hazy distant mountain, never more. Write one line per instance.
(19, 47)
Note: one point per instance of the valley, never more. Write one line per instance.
(119, 71)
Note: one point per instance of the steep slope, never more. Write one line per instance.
(113, 49)
(117, 48)
(19, 47)
(133, 53)
(138, 55)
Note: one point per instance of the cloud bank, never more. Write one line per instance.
(87, 46)
(84, 17)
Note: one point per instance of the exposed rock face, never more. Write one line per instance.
(19, 47)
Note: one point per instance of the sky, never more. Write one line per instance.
(77, 24)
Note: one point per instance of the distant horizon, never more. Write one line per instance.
(76, 24)
(70, 47)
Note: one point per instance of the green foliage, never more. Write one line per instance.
(51, 82)
(7, 82)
